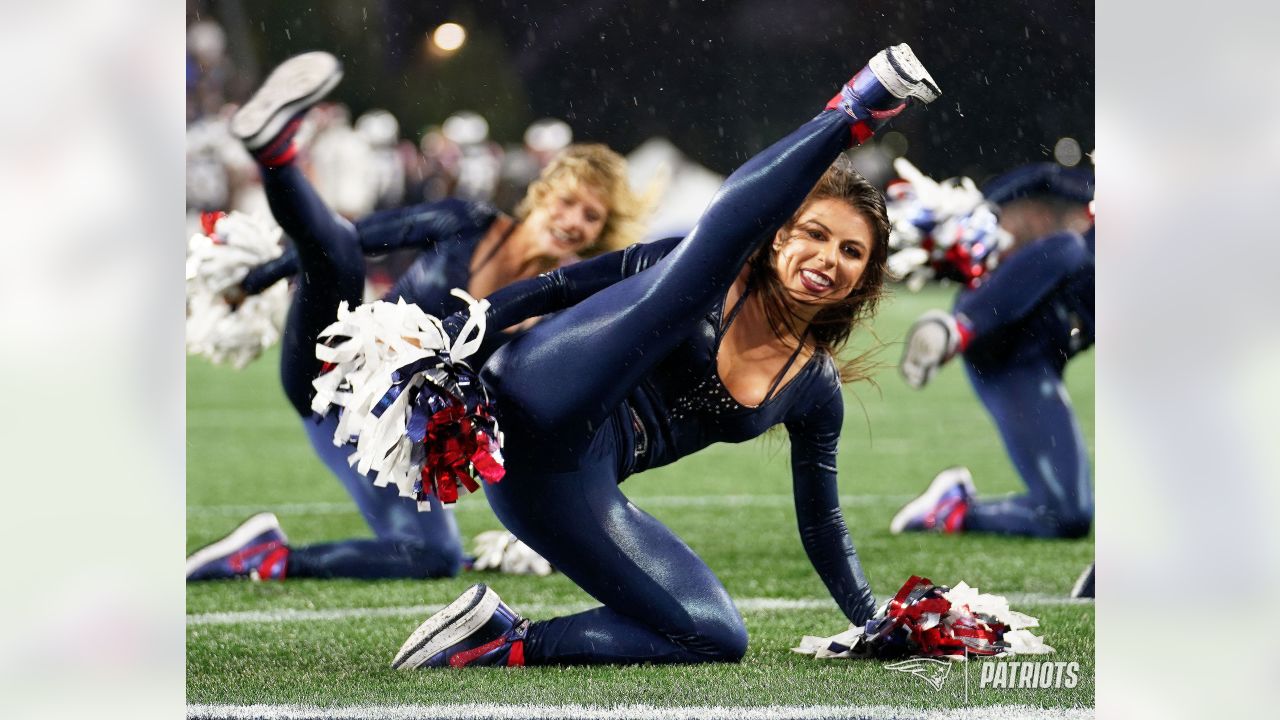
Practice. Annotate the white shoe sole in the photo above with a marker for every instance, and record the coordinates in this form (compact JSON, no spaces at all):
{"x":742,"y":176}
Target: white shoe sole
{"x":943,"y":482}
{"x":297,"y":84}
{"x":248,"y":530}
{"x":901,"y":73}
{"x":447,"y":627}
{"x":1080,"y":582}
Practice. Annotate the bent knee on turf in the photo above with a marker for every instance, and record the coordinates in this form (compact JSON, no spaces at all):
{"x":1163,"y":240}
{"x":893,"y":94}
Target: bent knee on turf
{"x":724,"y":641}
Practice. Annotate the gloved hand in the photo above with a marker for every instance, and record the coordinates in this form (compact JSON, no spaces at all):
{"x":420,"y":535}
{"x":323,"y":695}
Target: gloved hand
{"x":932,"y":340}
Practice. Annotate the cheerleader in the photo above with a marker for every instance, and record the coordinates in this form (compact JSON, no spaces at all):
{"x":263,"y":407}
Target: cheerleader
{"x":580,"y":203}
{"x":661,"y":350}
{"x":1016,"y":331}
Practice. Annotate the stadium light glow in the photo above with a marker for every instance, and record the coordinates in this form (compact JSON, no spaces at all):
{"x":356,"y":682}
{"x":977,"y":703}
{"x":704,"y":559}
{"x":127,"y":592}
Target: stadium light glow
{"x":1067,"y":152}
{"x":449,"y":37}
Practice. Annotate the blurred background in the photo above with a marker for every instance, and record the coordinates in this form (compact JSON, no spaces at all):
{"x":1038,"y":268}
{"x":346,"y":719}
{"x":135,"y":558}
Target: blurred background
{"x":1187,"y":393}
{"x":446,"y":92}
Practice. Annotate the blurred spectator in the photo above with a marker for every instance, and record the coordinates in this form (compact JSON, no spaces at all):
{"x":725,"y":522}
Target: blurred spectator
{"x":381,"y":131}
{"x":441,"y":157}
{"x":521,"y":165}
{"x":683,"y":187}
{"x":342,"y":162}
{"x":208,"y":69}
{"x":481,"y":158}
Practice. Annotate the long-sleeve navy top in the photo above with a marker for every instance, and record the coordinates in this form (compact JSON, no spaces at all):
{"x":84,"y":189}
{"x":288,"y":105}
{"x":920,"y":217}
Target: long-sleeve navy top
{"x":1040,"y":299}
{"x":683,"y":407}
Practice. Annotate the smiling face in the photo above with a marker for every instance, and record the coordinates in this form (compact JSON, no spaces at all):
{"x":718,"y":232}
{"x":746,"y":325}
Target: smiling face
{"x":821,"y":255}
{"x":568,"y":220}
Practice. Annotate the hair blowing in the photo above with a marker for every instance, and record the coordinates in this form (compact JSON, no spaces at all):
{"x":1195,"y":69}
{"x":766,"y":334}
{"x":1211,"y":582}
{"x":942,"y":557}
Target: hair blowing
{"x":831,"y":328}
{"x":594,"y":166}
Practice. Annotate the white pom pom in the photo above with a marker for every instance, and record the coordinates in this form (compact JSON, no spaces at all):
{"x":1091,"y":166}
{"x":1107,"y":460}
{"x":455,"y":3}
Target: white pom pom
{"x":216,"y":265}
{"x":1021,"y":640}
{"x":946,"y":199}
{"x":380,"y":338}
{"x":826,"y":648}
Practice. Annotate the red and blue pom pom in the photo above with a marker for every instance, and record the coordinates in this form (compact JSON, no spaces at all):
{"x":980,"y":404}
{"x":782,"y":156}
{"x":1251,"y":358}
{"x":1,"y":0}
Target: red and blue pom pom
{"x":416,"y":412}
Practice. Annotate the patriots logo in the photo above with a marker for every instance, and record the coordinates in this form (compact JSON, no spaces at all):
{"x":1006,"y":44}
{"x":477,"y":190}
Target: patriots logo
{"x":932,"y":671}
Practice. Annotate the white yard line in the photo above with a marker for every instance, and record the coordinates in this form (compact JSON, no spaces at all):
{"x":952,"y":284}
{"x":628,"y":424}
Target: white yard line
{"x":745,"y":605}
{"x":654,"y":501}
{"x":638,"y":712}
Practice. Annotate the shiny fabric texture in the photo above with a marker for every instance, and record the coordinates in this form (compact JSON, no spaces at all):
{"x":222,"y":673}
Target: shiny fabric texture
{"x":638,"y":329}
{"x":1034,"y":314}
{"x":328,"y":256}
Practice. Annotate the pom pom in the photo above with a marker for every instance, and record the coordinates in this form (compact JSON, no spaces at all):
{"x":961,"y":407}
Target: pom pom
{"x":218,"y":327}
{"x":930,"y":620}
{"x":941,"y":229}
{"x":418,"y":416}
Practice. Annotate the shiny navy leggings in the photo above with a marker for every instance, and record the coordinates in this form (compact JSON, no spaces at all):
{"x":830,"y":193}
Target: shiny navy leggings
{"x":408,"y":543}
{"x":1030,"y":407}
{"x":560,"y":388}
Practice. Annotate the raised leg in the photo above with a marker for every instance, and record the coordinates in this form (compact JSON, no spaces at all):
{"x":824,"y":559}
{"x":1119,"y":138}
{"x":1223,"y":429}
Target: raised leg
{"x":331,"y":264}
{"x":332,"y":268}
{"x":607,"y":343}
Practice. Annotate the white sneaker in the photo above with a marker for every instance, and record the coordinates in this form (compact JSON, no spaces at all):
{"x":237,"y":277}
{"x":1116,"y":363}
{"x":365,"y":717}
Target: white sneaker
{"x":477,"y":629}
{"x":941,"y":507}
{"x":900,"y":72}
{"x":292,"y":88}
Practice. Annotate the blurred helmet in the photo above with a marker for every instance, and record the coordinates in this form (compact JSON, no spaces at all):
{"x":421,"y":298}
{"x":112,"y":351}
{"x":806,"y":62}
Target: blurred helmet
{"x":466,"y":128}
{"x":206,"y":41}
{"x":548,"y":135}
{"x":378,"y":127}
{"x":1041,"y":179}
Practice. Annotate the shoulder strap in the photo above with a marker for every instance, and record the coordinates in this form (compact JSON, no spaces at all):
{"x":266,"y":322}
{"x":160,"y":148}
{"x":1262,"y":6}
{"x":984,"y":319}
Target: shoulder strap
{"x":737,"y":306}
{"x":790,"y":361}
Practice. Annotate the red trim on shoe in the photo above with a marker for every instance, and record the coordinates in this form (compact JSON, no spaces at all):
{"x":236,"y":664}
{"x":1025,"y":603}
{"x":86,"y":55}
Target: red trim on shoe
{"x":236,"y":559}
{"x":890,"y":113}
{"x":861,"y":132}
{"x":955,"y":518}
{"x":281,"y":150}
{"x":464,"y":658}
{"x":516,"y":658}
{"x":834,"y":102}
{"x":284,"y":158}
{"x":272,"y":547}
{"x":275,"y":565}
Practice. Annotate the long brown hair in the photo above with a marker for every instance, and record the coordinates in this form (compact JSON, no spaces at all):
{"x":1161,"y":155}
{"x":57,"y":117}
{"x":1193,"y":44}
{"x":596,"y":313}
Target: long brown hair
{"x":830,"y":328}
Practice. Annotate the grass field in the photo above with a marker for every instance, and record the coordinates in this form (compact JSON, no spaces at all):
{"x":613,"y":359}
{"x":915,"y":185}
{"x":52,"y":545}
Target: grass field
{"x":290,"y":648}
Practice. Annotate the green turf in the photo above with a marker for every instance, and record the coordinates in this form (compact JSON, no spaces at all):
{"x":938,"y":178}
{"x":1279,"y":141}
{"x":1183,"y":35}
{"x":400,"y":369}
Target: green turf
{"x":246,"y":451}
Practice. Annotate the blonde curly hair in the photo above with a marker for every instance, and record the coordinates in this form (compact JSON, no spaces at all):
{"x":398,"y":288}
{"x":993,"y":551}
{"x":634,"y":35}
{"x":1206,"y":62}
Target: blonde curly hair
{"x":597,"y":167}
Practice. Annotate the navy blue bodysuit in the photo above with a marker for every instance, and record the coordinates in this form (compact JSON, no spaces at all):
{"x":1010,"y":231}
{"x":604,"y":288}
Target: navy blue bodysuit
{"x":624,"y":378}
{"x":328,"y":257}
{"x":1032,"y":316}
